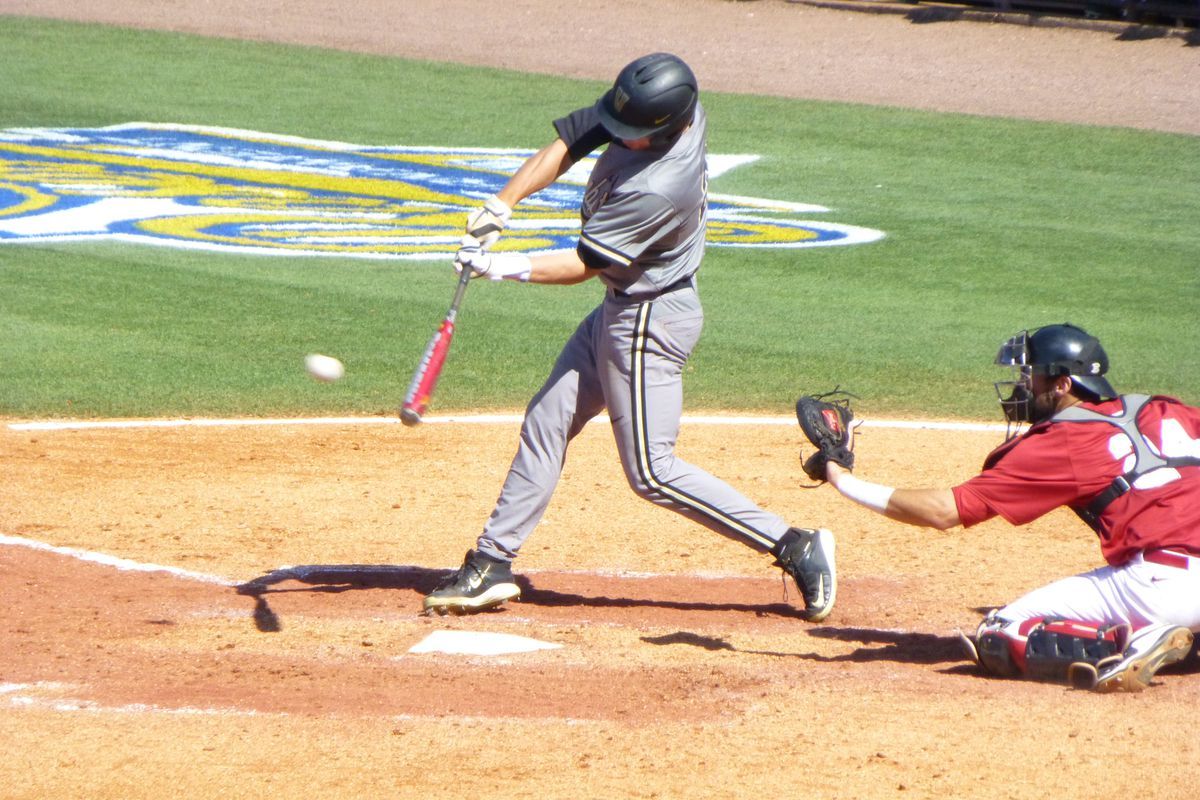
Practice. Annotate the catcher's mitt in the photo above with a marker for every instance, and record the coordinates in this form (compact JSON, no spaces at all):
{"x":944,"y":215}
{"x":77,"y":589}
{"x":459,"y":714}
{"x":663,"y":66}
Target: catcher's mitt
{"x":825,"y":420}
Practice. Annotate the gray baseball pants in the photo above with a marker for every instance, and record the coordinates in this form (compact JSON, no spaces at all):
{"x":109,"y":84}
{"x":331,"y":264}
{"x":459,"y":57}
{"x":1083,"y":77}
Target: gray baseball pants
{"x":626,"y":356}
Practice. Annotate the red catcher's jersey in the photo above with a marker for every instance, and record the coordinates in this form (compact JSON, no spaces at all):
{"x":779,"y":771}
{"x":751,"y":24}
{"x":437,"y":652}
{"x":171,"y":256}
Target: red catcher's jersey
{"x":1069,"y":463}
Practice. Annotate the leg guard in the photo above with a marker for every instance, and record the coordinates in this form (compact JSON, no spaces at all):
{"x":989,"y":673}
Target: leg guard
{"x":1056,"y":648}
{"x":1047,"y":648}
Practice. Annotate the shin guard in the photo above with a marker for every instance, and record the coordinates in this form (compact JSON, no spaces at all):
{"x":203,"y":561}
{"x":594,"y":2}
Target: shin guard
{"x":1054,"y":645}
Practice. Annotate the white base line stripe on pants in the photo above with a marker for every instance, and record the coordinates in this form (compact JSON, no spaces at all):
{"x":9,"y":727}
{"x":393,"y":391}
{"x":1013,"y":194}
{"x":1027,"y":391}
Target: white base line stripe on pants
{"x":641,"y":436}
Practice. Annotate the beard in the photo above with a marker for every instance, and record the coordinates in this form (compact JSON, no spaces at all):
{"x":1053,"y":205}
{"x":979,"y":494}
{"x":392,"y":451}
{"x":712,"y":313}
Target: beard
{"x":1025,"y":406}
{"x":1042,"y":406}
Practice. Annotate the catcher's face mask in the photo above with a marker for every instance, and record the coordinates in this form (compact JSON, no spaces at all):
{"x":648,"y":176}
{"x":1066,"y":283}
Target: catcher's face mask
{"x":1022,"y":403}
{"x":1016,"y":394}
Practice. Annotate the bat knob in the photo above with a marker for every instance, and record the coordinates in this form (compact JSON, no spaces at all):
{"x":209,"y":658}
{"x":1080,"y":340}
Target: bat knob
{"x":410,"y":417}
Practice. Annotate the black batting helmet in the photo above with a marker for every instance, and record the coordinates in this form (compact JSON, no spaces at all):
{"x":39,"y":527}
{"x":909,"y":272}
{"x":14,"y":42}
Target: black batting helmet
{"x":653,"y":96}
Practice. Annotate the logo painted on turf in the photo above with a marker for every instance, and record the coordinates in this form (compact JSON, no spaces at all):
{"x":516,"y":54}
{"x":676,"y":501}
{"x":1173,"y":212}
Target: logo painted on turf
{"x":242,"y":191}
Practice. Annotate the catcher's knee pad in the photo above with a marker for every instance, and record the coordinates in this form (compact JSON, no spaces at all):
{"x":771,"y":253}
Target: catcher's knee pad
{"x":997,"y":652}
{"x":1053,"y":646}
{"x":996,"y":655}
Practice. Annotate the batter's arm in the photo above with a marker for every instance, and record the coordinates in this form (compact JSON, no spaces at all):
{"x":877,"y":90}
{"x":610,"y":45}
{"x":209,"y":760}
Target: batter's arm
{"x":539,"y":171}
{"x":929,"y":508}
{"x":563,"y":268}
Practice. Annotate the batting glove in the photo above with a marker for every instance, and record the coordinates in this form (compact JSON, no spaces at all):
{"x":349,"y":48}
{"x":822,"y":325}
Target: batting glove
{"x":485,"y":224}
{"x":494,"y":266}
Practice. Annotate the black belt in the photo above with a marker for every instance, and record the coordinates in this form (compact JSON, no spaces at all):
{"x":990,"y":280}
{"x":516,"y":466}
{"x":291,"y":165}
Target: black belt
{"x":682,"y":283}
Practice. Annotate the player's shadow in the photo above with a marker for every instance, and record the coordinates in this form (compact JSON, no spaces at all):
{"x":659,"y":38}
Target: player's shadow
{"x":896,"y":646}
{"x":531,"y":595}
{"x":879,"y":645}
{"x":712,"y":643}
{"x":351,"y":577}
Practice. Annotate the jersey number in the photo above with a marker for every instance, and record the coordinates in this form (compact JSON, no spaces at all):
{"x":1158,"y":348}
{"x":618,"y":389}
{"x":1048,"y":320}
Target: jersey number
{"x":1176,"y":443}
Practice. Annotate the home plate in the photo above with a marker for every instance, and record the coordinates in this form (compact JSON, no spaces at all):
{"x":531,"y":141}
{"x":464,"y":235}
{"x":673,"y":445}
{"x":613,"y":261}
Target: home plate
{"x":473,"y":643}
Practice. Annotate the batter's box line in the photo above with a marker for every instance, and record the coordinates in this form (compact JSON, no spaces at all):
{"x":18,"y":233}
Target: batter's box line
{"x":116,"y":562}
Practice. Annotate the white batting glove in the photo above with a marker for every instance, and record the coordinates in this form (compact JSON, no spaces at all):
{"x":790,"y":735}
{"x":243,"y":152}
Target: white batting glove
{"x":494,"y":266}
{"x":485,"y":224}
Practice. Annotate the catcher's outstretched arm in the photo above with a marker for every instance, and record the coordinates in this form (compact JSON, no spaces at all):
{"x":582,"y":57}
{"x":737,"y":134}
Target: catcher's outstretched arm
{"x":929,"y":508}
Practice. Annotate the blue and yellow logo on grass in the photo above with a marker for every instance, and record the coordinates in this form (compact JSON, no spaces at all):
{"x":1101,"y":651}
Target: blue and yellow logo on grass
{"x":234,"y":190}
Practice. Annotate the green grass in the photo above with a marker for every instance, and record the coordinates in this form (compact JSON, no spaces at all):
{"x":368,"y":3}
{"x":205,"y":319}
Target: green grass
{"x":993,"y":225}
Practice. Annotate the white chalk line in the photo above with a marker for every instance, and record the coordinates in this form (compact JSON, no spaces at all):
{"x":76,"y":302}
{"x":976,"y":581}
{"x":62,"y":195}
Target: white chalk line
{"x":471,"y":419}
{"x":123,"y":564}
{"x":17,"y":699}
{"x":49,"y":696}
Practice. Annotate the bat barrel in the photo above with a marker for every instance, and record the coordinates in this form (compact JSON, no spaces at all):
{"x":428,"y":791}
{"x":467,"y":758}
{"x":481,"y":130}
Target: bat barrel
{"x":428,"y":371}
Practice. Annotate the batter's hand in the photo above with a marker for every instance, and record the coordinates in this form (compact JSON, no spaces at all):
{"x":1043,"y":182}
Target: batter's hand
{"x":485,"y":224}
{"x":472,"y":256}
{"x":494,"y":266}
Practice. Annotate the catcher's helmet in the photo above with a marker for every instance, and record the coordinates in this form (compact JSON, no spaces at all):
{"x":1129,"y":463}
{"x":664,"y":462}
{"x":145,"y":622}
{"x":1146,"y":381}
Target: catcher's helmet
{"x":1061,"y":350}
{"x":653,"y":96}
{"x":1052,"y":350}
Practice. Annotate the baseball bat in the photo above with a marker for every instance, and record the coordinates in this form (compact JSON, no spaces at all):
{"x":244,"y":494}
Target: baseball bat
{"x":425,"y":378}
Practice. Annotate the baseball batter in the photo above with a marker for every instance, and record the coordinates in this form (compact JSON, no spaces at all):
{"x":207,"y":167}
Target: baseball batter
{"x":643,"y":237}
{"x":1129,"y":467}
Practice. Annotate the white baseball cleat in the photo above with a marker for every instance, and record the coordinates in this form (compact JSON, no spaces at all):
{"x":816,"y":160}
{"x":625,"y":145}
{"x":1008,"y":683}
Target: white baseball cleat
{"x":1148,"y":651}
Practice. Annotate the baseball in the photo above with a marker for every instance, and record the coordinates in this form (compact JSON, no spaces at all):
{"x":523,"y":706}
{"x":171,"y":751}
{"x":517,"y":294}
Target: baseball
{"x":323,"y":368}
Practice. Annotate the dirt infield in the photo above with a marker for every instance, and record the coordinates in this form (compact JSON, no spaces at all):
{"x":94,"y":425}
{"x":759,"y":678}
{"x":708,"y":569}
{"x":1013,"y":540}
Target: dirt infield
{"x":683,"y":671}
{"x":272,"y":657}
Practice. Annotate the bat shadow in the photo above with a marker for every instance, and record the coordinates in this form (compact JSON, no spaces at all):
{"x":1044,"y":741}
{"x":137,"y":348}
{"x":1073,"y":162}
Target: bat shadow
{"x":344,"y":578}
{"x":332,"y":578}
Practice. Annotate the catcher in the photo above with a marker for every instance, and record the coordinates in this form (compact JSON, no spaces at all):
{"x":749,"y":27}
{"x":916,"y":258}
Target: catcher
{"x":1127,"y":465}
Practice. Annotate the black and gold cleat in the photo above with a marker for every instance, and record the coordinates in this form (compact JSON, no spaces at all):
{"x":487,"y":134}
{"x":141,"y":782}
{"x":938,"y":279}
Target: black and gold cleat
{"x":480,"y":583}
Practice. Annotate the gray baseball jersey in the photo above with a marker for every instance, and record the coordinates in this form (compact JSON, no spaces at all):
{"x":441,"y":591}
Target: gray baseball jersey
{"x":643,"y":212}
{"x":643,"y":223}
